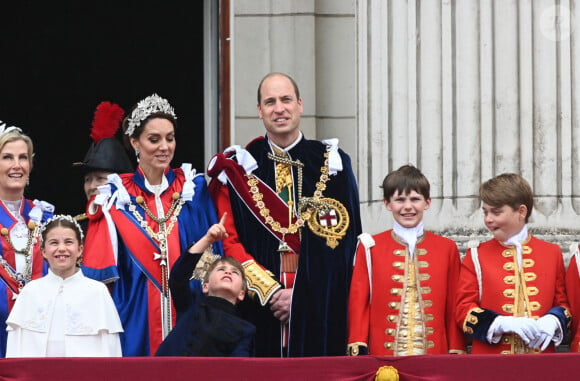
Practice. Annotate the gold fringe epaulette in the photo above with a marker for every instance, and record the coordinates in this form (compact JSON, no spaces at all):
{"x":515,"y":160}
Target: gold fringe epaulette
{"x":260,"y":282}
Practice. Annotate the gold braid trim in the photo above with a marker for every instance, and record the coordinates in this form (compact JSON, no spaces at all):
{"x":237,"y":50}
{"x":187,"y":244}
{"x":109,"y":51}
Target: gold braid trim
{"x":352,"y":349}
{"x":261,"y":282}
{"x":471,"y":318}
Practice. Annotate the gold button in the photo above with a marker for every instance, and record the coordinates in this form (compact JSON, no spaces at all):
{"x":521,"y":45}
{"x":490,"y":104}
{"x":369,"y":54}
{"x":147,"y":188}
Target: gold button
{"x":508,"y":266}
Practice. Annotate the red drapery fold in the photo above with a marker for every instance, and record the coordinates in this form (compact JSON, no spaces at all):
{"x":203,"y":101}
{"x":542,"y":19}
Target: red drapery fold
{"x":363,"y":368}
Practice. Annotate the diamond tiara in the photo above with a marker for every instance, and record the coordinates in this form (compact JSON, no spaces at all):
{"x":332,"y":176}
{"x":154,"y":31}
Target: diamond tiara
{"x":152,"y":104}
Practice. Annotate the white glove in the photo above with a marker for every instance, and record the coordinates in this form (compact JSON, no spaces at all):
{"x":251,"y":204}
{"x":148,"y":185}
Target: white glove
{"x":526,"y":328}
{"x":548,"y":325}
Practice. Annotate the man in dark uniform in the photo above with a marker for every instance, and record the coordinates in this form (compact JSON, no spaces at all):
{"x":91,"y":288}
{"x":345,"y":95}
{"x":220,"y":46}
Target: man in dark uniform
{"x":296,"y":219}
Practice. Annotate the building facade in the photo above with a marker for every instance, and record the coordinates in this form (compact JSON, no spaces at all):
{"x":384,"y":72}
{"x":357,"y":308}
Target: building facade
{"x":464,"y":90}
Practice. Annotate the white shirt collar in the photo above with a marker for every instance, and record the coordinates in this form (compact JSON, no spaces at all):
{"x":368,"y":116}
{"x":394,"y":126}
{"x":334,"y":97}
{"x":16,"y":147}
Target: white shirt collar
{"x":274,"y":145}
{"x":77,"y":274}
{"x":516,"y":241}
{"x":157,"y":189}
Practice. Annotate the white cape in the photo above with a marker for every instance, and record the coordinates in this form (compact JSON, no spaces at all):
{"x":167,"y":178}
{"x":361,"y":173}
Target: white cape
{"x":91,"y":324}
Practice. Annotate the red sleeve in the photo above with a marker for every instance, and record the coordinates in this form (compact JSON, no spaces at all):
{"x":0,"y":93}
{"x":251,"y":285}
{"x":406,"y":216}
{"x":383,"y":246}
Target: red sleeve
{"x":262,"y":282}
{"x":467,"y":291}
{"x":99,"y":253}
{"x":573,"y":291}
{"x":358,"y":301}
{"x":232,"y":245}
{"x":456,"y":338}
{"x":560,"y":297}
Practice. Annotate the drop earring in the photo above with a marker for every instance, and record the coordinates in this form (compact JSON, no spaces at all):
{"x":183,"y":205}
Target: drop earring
{"x":137,"y":153}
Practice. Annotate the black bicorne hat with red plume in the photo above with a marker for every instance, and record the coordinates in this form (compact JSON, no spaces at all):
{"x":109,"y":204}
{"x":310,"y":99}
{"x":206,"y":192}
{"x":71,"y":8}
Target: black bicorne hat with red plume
{"x":106,"y":153}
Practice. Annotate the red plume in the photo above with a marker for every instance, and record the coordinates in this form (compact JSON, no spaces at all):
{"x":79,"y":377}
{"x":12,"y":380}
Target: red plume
{"x":106,"y":121}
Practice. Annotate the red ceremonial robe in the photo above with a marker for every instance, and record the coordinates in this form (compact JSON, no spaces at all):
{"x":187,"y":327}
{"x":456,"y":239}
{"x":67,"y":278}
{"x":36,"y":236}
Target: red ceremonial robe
{"x":9,"y":285}
{"x":138,"y":280}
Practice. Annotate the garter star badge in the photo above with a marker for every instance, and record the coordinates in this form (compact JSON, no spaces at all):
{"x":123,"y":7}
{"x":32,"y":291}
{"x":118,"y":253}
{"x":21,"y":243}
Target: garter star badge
{"x":330,"y":223}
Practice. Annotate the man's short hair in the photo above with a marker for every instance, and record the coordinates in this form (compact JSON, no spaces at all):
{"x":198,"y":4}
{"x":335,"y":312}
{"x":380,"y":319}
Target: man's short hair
{"x":273,"y":74}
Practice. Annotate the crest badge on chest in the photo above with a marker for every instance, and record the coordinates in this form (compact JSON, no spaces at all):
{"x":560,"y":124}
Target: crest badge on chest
{"x":330,"y":222}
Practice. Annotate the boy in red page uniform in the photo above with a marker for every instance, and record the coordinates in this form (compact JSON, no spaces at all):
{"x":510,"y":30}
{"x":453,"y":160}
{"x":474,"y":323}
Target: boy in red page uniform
{"x":511,"y":295}
{"x":402,"y":292}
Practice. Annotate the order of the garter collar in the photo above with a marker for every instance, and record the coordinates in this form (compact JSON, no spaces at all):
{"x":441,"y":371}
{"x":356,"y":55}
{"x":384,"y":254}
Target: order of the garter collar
{"x":150,"y":105}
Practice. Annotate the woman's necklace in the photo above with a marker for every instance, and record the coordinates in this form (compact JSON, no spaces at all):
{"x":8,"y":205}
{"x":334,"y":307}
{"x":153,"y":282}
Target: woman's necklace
{"x":164,"y":231}
{"x":161,"y":238}
{"x":26,"y":251}
{"x":29,"y":242}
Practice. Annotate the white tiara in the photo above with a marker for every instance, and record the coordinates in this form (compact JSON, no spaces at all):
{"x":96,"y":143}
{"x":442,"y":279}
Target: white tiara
{"x":5,"y":130}
{"x":60,"y":217}
{"x":152,"y":104}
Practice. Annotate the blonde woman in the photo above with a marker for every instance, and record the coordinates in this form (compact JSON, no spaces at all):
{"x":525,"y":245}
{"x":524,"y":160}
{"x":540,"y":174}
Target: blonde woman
{"x":20,"y":257}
